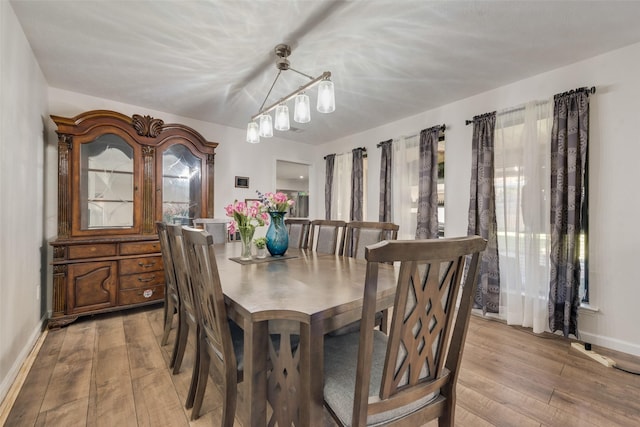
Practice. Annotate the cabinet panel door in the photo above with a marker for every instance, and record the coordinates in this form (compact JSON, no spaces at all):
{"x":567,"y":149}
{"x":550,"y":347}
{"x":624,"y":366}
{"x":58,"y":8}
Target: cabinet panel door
{"x":91,"y":286}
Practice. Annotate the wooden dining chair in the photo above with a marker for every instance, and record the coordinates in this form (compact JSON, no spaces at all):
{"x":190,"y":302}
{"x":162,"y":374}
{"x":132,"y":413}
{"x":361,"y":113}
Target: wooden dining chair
{"x":408,"y":377}
{"x":324,"y":235}
{"x":298,"y":232}
{"x":359,"y":234}
{"x":188,"y":310}
{"x":221,"y":340}
{"x":171,"y":298}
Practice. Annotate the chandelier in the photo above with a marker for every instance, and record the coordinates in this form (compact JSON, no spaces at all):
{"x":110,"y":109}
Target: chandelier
{"x":261,"y":124}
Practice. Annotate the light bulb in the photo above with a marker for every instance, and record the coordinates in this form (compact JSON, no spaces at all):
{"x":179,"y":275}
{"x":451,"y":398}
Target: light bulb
{"x":252,"y":133}
{"x":326,"y":97}
{"x":266,"y":129}
{"x":282,"y":117}
{"x":302,"y":111}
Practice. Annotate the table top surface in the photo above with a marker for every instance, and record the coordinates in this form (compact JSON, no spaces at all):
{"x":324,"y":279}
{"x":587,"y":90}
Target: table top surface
{"x":307,"y":288}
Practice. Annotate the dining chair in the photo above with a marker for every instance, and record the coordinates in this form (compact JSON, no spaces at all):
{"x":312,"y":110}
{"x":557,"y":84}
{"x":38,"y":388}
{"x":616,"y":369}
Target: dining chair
{"x":171,"y":298}
{"x":359,"y":234}
{"x":214,"y":226}
{"x":298,"y":232}
{"x":408,"y":377}
{"x":324,"y":235}
{"x":221,"y":340}
{"x":188,"y":309}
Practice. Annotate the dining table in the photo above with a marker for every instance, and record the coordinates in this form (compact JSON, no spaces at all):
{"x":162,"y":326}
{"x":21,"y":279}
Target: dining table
{"x":285,"y":306}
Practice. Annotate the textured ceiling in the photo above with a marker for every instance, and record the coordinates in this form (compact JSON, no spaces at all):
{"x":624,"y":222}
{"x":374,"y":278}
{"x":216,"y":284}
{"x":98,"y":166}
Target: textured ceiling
{"x":214,"y":61}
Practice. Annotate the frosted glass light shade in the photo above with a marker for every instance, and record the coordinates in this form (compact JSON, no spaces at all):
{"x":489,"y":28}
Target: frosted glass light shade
{"x":282,"y":117}
{"x":326,"y":97}
{"x":266,"y":128}
{"x":302,"y":111}
{"x":252,"y":133}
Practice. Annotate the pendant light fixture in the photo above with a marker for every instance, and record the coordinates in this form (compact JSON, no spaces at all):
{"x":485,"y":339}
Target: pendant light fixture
{"x":326,"y":101}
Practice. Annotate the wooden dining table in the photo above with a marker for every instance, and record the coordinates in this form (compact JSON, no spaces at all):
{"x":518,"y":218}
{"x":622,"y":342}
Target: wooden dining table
{"x":285,"y":307}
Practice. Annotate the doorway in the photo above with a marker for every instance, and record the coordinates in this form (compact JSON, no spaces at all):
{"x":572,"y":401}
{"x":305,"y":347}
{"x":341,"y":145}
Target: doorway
{"x":293,"y":179}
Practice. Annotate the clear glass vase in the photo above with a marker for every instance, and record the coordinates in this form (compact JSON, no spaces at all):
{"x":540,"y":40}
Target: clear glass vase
{"x":246,"y":236}
{"x":277,"y":234}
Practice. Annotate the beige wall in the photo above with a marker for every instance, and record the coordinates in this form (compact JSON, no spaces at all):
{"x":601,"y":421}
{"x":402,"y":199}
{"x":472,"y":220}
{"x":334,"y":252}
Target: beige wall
{"x":23,"y":109}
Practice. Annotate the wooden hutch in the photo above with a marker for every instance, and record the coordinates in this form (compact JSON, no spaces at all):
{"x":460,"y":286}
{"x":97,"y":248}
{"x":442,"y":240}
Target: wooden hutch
{"x":117,"y":176}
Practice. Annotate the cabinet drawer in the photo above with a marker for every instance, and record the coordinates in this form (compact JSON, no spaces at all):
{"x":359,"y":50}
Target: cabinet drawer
{"x":139,"y":248}
{"x":140,"y":265}
{"x":92,"y":251}
{"x":140,"y":295}
{"x":142,"y":280}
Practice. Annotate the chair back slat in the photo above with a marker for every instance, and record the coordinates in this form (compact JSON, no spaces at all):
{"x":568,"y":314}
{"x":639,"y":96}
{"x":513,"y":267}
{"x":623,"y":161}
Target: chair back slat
{"x":325,"y":234}
{"x":298,"y":232}
{"x":183,"y":279}
{"x":167,"y":261}
{"x":360,"y":234}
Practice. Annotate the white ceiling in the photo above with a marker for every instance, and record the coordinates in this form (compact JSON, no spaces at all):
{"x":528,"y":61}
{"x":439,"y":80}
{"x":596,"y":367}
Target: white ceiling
{"x":213,"y":60}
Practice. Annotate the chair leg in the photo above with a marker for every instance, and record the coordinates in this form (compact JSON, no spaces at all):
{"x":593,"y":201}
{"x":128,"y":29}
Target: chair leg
{"x":194,"y":374}
{"x":203,"y":375}
{"x":169,"y":311}
{"x":181,"y":344}
{"x":230,"y":396}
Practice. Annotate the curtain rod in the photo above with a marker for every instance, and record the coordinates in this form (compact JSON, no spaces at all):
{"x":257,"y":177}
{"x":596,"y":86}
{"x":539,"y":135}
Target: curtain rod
{"x":361,"y":148}
{"x":443,"y":127}
{"x":589,"y":90}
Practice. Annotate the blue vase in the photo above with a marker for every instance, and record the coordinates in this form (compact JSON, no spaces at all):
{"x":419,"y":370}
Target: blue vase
{"x":277,"y":234}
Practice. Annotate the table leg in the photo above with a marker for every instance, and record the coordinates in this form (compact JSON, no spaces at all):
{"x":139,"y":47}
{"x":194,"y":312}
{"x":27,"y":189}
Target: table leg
{"x":312,"y":374}
{"x":255,"y":372}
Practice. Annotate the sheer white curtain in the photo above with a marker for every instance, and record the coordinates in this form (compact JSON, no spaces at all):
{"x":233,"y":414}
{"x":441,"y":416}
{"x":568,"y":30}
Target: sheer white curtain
{"x":404,"y":191}
{"x":341,"y":187}
{"x":522,"y":184}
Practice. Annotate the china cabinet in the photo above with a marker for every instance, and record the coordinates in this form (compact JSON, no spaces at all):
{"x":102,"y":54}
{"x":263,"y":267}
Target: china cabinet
{"x":117,"y":176}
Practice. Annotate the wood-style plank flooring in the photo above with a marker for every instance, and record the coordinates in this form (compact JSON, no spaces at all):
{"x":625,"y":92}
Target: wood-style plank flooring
{"x":110,"y":370}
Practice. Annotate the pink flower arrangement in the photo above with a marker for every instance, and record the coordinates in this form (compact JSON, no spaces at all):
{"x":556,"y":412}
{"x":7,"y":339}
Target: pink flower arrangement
{"x":278,"y":202}
{"x":246,"y":215}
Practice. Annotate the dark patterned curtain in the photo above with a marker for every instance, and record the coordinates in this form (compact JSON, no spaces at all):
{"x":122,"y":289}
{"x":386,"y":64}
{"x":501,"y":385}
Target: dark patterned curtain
{"x":357,"y":176}
{"x":328,"y":182}
{"x":427,"y":219}
{"x":482,"y":211}
{"x":384,"y":214}
{"x":569,"y":139}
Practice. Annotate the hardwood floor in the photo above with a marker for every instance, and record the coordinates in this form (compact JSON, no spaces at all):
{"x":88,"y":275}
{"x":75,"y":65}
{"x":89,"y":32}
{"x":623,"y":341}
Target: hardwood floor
{"x":110,"y":370}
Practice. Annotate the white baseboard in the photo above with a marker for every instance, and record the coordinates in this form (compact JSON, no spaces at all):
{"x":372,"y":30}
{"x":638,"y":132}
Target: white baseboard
{"x":12,"y":383}
{"x":610,"y":343}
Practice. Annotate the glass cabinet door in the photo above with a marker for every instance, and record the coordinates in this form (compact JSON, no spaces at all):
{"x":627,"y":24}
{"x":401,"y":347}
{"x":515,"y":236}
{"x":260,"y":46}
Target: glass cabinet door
{"x":106,"y":183}
{"x":181,"y":185}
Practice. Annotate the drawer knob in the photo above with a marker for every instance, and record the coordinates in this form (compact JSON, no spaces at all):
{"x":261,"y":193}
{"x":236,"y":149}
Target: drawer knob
{"x":144,"y":280}
{"x":143,"y":265}
{"x":147,"y":293}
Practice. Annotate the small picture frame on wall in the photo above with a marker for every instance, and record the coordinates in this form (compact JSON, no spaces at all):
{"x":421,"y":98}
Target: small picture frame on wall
{"x":242,"y":182}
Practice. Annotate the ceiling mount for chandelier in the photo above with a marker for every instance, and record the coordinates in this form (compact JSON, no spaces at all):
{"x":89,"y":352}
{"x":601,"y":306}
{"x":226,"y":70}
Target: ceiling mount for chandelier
{"x":261,"y":123}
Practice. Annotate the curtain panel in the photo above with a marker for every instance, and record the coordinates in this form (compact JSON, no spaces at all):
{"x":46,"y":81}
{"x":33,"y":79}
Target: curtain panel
{"x":482,"y":211}
{"x":341,"y":187}
{"x":386,"y":173}
{"x":328,"y":184}
{"x":522,"y":184}
{"x":569,"y":142}
{"x":357,"y":177}
{"x":405,"y":185}
{"x":427,"y":219}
